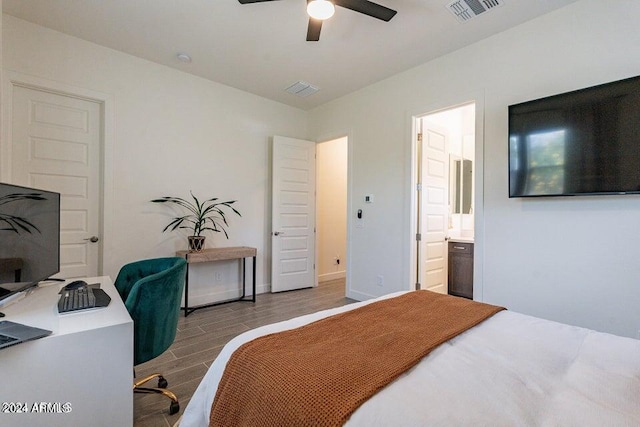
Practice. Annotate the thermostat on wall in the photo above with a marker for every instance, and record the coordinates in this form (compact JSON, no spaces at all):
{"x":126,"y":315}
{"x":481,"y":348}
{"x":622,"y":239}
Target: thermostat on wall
{"x":368,"y":198}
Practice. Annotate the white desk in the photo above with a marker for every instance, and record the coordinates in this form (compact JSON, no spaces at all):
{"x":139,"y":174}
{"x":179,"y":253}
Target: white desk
{"x":86,"y":362}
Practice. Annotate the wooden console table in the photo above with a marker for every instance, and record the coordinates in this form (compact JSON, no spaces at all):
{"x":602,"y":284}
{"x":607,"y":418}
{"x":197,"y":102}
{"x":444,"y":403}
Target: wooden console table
{"x":219,"y":254}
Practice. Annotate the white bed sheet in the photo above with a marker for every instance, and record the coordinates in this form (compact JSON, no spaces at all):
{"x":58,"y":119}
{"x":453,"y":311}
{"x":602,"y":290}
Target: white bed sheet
{"x":511,"y":370}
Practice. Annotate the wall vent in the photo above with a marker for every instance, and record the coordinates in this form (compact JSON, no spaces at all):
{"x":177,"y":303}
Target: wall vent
{"x":302,"y":89}
{"x":465,"y":10}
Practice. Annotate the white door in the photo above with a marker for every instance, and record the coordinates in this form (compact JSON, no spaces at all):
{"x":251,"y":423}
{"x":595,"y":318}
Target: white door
{"x":56,"y":146}
{"x":293,"y":214}
{"x":433,"y":208}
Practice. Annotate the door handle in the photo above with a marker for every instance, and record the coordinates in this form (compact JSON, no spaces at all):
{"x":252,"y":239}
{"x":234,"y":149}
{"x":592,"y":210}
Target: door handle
{"x":277,"y":233}
{"x":92,"y":239}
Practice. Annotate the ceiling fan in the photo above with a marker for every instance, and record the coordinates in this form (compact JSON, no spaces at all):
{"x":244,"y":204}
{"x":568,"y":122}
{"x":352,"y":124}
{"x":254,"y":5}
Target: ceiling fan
{"x":319,"y":10}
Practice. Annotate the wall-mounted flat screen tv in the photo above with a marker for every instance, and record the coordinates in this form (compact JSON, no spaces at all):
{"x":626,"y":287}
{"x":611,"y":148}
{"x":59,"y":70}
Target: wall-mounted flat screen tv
{"x":29,"y":238}
{"x":583,"y":142}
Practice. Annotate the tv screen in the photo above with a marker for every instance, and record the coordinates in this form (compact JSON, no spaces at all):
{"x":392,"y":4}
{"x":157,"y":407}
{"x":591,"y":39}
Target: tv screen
{"x":29,"y":237}
{"x":583,"y":142}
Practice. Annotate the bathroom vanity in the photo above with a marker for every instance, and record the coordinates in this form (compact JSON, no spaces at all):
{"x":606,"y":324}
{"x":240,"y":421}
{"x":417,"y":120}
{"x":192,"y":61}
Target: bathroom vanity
{"x":460,"y":277}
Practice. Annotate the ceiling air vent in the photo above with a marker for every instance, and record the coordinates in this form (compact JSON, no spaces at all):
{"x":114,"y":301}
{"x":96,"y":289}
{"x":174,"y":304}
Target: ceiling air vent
{"x":302,"y":89}
{"x":464,"y":10}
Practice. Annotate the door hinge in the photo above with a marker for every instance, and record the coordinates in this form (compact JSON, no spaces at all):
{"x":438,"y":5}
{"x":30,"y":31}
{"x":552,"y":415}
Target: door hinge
{"x":419,"y":136}
{"x":419,"y":186}
{"x":418,"y":237}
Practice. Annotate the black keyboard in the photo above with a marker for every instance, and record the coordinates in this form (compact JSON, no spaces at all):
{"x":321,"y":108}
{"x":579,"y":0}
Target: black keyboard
{"x":76,"y":299}
{"x":6,"y":339}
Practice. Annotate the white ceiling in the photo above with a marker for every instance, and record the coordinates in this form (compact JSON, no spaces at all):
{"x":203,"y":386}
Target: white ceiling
{"x":261,"y":47}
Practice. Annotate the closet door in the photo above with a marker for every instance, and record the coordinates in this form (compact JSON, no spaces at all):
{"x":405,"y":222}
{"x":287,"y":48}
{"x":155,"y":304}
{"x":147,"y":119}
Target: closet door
{"x":293,"y":214}
{"x":56,"y":142}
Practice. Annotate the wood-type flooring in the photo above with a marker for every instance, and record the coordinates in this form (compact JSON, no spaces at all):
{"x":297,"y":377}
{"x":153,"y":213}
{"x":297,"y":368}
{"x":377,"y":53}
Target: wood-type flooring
{"x":204,"y":332}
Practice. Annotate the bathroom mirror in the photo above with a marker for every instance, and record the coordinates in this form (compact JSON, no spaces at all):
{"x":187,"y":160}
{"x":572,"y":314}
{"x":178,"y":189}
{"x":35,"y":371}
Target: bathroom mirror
{"x":461,"y":187}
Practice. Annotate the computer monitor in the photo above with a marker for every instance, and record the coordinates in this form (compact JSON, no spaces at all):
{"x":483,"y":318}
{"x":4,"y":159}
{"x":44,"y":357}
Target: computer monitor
{"x":29,"y":238}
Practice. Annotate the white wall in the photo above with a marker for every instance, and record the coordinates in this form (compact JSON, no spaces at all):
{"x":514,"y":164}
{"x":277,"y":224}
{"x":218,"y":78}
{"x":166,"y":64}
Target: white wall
{"x":574,"y":260}
{"x":331,"y":202}
{"x":171,"y":133}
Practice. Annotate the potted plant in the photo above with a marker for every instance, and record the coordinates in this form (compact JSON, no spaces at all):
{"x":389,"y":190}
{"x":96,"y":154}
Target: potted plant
{"x":200,"y":216}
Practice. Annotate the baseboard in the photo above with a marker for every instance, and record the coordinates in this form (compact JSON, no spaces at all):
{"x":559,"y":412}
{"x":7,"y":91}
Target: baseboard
{"x":332,"y":276}
{"x":359,"y":296}
{"x":223,"y":295}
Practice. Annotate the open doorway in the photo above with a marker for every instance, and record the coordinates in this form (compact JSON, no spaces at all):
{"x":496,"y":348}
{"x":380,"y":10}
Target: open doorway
{"x":445,"y":187}
{"x":331,"y":210}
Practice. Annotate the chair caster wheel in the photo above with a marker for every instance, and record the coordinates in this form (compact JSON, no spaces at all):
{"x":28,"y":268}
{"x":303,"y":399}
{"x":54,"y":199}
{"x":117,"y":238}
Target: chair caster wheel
{"x":174,"y":408}
{"x":162,"y":383}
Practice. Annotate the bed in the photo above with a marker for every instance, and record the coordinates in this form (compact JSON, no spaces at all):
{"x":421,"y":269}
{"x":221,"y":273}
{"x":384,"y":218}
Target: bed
{"x":510,"y":369}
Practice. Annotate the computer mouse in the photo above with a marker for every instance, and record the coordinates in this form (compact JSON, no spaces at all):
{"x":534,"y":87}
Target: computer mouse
{"x":75,"y":285}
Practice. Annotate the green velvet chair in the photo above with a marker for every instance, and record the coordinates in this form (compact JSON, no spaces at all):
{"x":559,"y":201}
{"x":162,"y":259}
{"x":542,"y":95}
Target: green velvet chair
{"x":152,"y":292}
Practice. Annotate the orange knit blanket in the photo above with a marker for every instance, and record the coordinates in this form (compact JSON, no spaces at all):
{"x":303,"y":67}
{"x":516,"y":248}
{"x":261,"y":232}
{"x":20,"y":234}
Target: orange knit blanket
{"x":319,"y":374}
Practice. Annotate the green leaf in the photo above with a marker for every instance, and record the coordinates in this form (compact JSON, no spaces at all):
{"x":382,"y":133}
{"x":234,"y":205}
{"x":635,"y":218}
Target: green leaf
{"x":207,"y":215}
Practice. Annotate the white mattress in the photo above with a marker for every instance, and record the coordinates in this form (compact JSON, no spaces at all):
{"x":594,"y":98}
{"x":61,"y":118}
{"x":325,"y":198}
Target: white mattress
{"x":511,"y":370}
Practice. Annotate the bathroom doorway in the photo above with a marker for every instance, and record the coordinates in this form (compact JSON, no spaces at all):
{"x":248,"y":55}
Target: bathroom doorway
{"x":444,"y":191}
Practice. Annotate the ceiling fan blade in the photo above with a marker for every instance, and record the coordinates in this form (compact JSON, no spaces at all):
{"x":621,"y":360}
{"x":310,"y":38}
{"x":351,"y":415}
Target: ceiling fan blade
{"x":253,"y":1}
{"x":368,"y":8}
{"x":313,"y":30}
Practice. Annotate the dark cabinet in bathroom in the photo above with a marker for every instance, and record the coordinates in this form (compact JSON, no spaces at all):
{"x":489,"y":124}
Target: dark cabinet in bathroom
{"x":460,"y":275}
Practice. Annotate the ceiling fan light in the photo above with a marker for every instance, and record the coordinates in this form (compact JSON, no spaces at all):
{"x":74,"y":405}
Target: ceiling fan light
{"x":320,"y":9}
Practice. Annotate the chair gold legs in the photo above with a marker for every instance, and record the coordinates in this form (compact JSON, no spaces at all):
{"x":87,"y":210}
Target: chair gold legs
{"x":161,"y":389}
